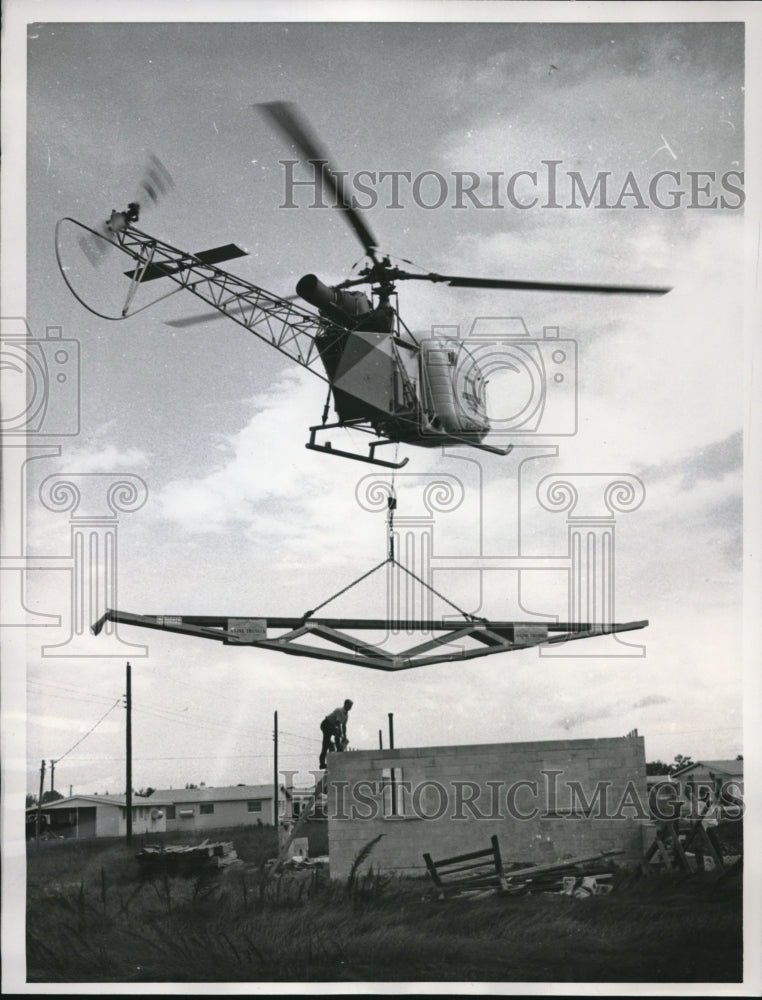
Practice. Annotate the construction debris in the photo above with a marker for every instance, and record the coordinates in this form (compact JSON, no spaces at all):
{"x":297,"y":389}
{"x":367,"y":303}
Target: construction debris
{"x":566,"y":875}
{"x":296,"y":863}
{"x":185,"y":859}
{"x":481,"y":873}
{"x":476,"y":871}
{"x":484,"y":872}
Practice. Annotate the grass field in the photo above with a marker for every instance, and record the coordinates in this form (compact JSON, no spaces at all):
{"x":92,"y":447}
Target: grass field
{"x":92,"y":917}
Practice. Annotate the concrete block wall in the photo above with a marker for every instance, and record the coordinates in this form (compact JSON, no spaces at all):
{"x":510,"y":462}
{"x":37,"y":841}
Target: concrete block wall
{"x":453,"y":799}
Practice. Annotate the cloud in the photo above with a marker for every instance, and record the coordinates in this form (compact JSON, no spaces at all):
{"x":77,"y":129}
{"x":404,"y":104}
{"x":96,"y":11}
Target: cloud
{"x":100,"y":454}
{"x":651,"y":699}
{"x":574,"y":721}
{"x":713,"y":461}
{"x":106,"y":459}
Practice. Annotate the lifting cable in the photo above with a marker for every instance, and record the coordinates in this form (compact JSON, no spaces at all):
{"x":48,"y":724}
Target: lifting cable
{"x":391,"y":502}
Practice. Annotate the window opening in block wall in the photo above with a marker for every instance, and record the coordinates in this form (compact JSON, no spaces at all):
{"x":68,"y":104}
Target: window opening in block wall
{"x":391,"y":791}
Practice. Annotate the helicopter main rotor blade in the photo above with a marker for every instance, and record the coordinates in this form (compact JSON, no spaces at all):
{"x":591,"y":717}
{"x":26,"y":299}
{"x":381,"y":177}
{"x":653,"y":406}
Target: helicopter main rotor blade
{"x":287,"y":118}
{"x":536,"y":286}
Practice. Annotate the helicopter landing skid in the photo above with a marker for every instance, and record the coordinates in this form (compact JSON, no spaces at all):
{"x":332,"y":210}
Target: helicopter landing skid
{"x":493,"y":450}
{"x":371,"y":459}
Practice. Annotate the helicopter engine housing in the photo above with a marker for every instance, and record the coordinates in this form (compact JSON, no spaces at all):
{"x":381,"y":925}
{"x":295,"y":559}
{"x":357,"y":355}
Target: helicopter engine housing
{"x":339,"y":305}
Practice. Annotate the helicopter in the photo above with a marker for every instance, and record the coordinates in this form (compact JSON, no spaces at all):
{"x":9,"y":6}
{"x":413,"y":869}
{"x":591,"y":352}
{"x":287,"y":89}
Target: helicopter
{"x":382,"y":380}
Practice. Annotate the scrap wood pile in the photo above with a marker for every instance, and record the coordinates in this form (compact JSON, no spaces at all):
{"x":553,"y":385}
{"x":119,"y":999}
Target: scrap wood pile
{"x":296,"y":863}
{"x":586,"y":875}
{"x":185,"y":859}
{"x":483,"y":872}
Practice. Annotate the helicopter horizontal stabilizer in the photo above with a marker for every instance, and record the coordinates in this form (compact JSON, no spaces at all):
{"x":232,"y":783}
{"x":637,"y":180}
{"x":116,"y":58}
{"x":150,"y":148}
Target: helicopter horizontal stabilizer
{"x":214,"y":256}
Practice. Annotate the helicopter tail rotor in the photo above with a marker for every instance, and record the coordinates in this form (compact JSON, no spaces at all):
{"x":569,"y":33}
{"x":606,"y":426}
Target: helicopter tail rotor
{"x":155,"y":182}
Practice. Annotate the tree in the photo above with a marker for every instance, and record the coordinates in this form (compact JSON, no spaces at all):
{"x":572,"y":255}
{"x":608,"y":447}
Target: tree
{"x":680,"y":763}
{"x":657,"y":767}
{"x":31,"y":800}
{"x":51,"y":796}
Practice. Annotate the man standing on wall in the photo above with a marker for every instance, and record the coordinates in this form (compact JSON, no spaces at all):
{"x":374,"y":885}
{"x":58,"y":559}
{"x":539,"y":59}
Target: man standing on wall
{"x":334,"y":730}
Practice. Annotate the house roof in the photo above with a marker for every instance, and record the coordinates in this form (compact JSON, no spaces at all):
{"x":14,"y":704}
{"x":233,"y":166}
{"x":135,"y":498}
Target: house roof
{"x":74,"y":800}
{"x":731,"y":767}
{"x":227,"y":793}
{"x":170,"y":796}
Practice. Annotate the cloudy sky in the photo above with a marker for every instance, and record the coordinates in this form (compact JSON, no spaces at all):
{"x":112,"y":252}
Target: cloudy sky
{"x":240,"y":519}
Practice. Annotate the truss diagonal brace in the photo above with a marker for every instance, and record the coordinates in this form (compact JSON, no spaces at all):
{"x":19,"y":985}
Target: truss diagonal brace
{"x":340,"y":646}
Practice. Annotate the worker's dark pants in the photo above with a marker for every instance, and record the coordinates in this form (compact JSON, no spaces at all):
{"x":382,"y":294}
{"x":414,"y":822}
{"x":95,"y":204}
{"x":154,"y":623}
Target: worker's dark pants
{"x":329,"y":733}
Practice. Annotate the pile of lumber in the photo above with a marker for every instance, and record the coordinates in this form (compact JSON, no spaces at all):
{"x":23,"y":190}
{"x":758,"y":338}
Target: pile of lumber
{"x":580,"y":876}
{"x":185,"y":859}
{"x":484,"y":872}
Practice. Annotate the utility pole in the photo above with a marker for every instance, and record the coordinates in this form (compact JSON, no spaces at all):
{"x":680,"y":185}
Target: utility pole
{"x":39,"y":804}
{"x":128,"y":732}
{"x":391,"y":730}
{"x":52,"y":772}
{"x":276,"y":817}
{"x":380,"y":740}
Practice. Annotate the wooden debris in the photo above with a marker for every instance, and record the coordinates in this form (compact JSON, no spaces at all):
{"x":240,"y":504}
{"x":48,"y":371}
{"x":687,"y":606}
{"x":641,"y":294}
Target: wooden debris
{"x":185,"y":859}
{"x":553,"y":876}
{"x":463,"y":873}
{"x":482,"y":872}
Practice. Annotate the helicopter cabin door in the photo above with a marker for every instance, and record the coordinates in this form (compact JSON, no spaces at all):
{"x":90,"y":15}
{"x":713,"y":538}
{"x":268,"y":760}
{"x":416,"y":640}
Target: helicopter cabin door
{"x":363,"y":384}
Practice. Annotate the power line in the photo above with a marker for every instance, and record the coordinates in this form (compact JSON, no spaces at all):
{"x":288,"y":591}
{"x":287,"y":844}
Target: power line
{"x":166,"y":714}
{"x":92,"y":729}
{"x":197,"y":722}
{"x":233,"y":756}
{"x":93,"y":699}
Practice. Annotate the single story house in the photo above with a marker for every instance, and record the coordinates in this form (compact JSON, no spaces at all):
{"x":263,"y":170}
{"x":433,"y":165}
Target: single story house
{"x":715,"y":783}
{"x":165,"y":811}
{"x":82,"y":816}
{"x":543,"y":800}
{"x":231,"y":805}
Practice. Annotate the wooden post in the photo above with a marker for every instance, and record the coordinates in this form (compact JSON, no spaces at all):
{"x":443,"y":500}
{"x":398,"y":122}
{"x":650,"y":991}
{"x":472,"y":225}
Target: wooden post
{"x":380,"y":740}
{"x":39,"y":804}
{"x":276,"y":818}
{"x":128,"y":732}
{"x":52,"y":773}
{"x":393,"y":774}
